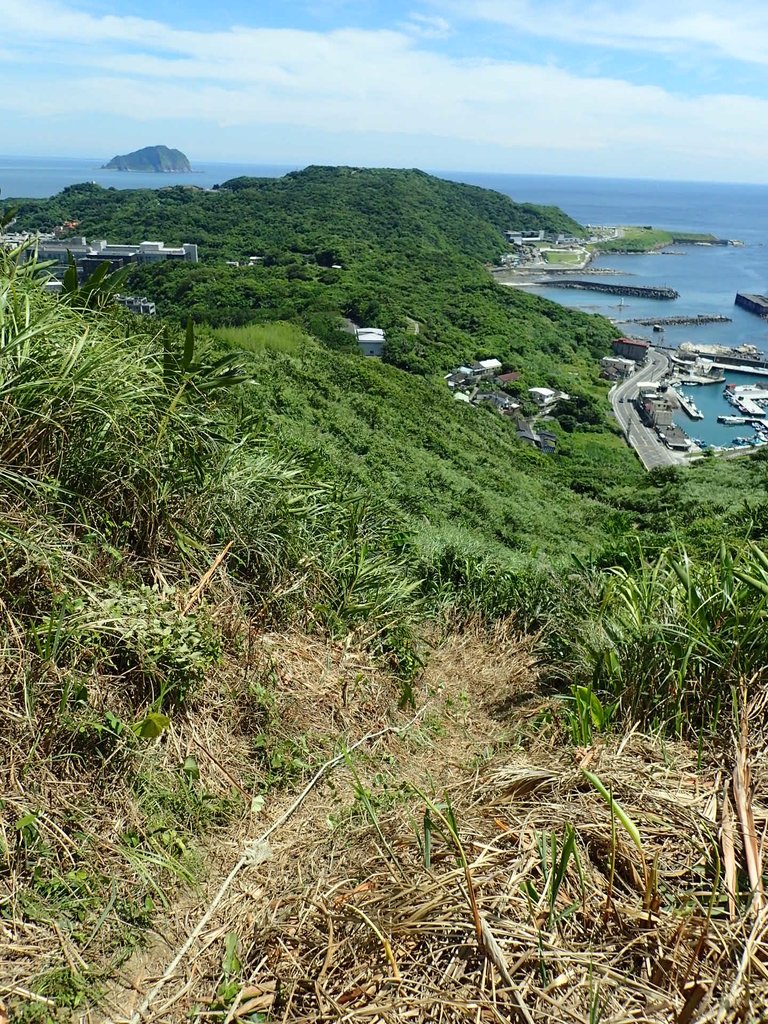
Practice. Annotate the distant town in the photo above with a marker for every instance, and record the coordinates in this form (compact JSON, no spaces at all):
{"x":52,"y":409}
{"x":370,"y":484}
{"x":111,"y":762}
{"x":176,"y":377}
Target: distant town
{"x":56,"y":251}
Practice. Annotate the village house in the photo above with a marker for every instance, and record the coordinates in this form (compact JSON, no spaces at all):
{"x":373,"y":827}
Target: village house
{"x":632,"y":348}
{"x":502,"y":403}
{"x":546,"y":397}
{"x":657,"y":410}
{"x":616,"y":367}
{"x":542,"y":439}
{"x":465,"y":376}
{"x":371,"y":341}
{"x":508,"y":378}
{"x":486,"y":368}
{"x":458,"y":378}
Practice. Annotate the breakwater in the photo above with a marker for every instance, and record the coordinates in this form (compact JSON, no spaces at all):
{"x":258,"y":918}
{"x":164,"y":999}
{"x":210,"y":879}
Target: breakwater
{"x":757,"y":304}
{"x":636,"y":291}
{"x":678,"y":321}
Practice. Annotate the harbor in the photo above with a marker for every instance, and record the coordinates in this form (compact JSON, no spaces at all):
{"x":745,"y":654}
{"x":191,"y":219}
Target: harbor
{"x":707,"y":279}
{"x":727,"y":411}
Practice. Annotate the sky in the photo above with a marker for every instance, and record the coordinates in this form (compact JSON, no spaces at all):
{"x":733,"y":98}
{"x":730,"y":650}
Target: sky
{"x":666,"y":89}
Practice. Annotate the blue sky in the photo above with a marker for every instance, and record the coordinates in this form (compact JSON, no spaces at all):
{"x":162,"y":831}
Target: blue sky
{"x":640,"y":88}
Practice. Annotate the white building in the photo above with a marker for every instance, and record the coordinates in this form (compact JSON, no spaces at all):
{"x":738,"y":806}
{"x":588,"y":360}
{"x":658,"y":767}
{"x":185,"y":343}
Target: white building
{"x":624,"y":367}
{"x":542,"y":396}
{"x":371,"y":341}
{"x":89,"y":256}
{"x":546,"y":396}
{"x":136,"y":304}
{"x":484,"y":368}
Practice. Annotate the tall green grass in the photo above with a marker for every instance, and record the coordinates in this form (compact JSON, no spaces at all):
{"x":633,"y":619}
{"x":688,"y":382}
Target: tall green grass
{"x":280,"y":336}
{"x":678,"y":641}
{"x":120,"y":448}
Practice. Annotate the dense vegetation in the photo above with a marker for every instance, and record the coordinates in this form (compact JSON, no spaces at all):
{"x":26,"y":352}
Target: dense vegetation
{"x":408,"y":247}
{"x":309,"y":211}
{"x":182,"y":505}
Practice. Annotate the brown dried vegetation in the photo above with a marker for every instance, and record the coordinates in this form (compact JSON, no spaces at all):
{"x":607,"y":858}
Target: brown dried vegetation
{"x":351,"y":912}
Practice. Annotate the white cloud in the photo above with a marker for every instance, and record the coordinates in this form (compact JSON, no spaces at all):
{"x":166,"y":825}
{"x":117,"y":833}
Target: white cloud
{"x":428,"y":26}
{"x":718,"y":27}
{"x":366,"y":82}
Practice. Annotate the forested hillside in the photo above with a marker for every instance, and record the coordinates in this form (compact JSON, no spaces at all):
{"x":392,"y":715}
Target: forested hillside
{"x":322,"y":696}
{"x":312,"y":211}
{"x":409,"y":247}
{"x":404,"y":250}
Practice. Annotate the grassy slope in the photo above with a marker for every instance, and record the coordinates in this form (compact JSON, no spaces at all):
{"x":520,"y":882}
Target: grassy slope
{"x":429,"y":457}
{"x":411,"y":246}
{"x":381,"y":880}
{"x":647,"y":239}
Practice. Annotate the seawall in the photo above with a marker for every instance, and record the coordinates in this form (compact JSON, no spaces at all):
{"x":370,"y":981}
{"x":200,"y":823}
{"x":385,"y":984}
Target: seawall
{"x":637,"y":291}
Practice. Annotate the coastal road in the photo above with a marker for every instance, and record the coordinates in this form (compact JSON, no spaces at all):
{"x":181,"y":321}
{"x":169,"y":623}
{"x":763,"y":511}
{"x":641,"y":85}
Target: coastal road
{"x":651,"y":451}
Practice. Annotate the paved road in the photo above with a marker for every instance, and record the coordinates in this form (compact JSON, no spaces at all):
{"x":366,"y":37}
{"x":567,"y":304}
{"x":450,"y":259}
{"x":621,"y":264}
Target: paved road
{"x":651,"y":451}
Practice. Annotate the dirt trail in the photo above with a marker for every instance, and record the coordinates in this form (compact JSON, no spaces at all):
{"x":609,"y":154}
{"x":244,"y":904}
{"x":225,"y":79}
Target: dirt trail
{"x":471,"y":869}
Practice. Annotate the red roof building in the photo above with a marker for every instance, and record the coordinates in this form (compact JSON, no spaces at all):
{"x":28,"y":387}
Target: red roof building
{"x":631,"y":348}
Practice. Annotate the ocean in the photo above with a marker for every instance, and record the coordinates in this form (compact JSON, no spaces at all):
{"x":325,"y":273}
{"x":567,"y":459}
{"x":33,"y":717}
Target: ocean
{"x":39,"y":177}
{"x":707,"y":278}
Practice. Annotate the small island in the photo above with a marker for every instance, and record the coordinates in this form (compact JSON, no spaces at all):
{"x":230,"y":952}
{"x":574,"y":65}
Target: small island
{"x":151,"y":159}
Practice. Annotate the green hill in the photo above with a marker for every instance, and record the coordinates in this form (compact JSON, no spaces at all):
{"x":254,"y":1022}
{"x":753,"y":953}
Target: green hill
{"x":383,"y":246}
{"x":405,"y":251}
{"x":157,"y":159}
{"x":311,"y":210}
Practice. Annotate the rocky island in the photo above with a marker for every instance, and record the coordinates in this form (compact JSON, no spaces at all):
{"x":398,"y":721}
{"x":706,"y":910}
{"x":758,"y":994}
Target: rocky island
{"x":157,"y":159}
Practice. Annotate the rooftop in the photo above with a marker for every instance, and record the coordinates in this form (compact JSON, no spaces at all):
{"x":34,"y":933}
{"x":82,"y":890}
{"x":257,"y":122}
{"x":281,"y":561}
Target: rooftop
{"x":637,"y":342}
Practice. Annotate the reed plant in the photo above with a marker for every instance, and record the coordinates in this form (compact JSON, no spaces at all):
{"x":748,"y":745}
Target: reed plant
{"x":674,"y":641}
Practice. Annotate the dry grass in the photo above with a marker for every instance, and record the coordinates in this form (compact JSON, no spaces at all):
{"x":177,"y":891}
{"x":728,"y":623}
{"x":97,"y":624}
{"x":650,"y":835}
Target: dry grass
{"x":119,"y":835}
{"x":346,"y":921}
{"x":346,"y":917}
{"x":349,"y":924}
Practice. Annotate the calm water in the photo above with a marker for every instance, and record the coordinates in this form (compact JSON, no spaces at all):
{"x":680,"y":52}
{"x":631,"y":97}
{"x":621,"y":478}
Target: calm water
{"x":37,"y":177}
{"x":706,"y":277}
